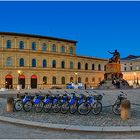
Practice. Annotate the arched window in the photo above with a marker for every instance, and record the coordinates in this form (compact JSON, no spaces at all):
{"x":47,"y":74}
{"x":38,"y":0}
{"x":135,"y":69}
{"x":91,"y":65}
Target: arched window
{"x":9,"y":61}
{"x":93,"y":67}
{"x":63,"y":80}
{"x":53,"y":48}
{"x":86,"y":66}
{"x":44,"y":47}
{"x":99,"y":67}
{"x":44,"y":80}
{"x":86,"y":80}
{"x":33,"y":46}
{"x":79,"y":65}
{"x":8,"y":44}
{"x":71,"y":79}
{"x":104,"y":67}
{"x":63,"y":64}
{"x":71,"y":50}
{"x":54,"y":64}
{"x":71,"y":65}
{"x":62,"y":49}
{"x":79,"y":79}
{"x":21,"y":62}
{"x":33,"y":62}
{"x":21,"y":45}
{"x":54,"y":80}
{"x":44,"y":63}
{"x":93,"y":79}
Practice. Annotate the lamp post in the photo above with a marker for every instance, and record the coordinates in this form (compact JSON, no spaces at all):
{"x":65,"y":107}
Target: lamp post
{"x":19,"y":73}
{"x":134,"y":77}
{"x":134,"y":84}
{"x":76,"y":77}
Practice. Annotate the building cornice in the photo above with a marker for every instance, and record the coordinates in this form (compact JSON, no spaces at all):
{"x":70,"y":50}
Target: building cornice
{"x":36,"y":36}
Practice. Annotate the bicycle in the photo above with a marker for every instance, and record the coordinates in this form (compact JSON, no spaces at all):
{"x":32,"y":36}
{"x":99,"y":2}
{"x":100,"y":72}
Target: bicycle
{"x":92,"y":103}
{"x":18,"y":103}
{"x":116,"y":107}
{"x":35,"y":101}
{"x":47,"y":103}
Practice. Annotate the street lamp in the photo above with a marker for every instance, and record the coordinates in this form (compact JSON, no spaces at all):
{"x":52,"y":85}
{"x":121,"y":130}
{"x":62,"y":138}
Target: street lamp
{"x":76,"y":77}
{"x":134,"y":77}
{"x":19,"y":73}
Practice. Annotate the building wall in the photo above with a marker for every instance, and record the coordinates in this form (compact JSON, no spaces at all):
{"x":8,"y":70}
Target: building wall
{"x":131,"y":70}
{"x":94,"y":76}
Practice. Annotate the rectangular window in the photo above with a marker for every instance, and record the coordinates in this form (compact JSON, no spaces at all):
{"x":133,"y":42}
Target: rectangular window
{"x":131,"y":68}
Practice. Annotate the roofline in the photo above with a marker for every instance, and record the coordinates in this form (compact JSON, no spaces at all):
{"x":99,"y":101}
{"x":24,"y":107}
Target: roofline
{"x":37,"y":36}
{"x":90,"y":57}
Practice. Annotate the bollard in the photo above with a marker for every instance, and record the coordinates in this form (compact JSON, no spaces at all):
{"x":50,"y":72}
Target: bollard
{"x":125,"y":109}
{"x":9,"y":104}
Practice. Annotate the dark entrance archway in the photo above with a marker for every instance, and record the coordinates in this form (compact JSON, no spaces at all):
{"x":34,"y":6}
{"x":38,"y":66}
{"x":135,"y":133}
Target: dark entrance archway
{"x":33,"y":81}
{"x":8,"y":82}
{"x":22,"y":81}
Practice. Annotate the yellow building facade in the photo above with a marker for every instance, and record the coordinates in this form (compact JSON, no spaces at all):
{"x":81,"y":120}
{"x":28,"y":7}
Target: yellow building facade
{"x":43,"y":62}
{"x":130,"y":67}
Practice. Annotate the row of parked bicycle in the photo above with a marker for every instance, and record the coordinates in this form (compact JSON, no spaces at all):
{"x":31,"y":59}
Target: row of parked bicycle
{"x":66,"y":102}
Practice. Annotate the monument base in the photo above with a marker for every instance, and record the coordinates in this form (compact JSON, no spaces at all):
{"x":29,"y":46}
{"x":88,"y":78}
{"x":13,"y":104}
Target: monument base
{"x":113,"y":78}
{"x":108,"y":84}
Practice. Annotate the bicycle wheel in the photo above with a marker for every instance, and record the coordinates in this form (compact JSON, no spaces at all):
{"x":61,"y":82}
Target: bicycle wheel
{"x":56,"y":108}
{"x":96,"y":108}
{"x":84,"y":108}
{"x":73,"y":108}
{"x":39,"y":107}
{"x":64,"y":108}
{"x":47,"y":107}
{"x":18,"y":105}
{"x":116,"y":108}
{"x":27,"y":106}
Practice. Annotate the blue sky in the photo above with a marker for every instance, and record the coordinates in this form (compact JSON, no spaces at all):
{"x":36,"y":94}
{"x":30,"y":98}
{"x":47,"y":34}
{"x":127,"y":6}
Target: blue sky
{"x":97,"y":26}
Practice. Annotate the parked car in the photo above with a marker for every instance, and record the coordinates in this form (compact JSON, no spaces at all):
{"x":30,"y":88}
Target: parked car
{"x":74,"y":86}
{"x":69,"y":86}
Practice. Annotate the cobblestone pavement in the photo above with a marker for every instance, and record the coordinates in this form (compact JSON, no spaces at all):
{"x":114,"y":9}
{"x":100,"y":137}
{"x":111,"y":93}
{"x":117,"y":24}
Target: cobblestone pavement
{"x":106,"y":118}
{"x":8,"y":131}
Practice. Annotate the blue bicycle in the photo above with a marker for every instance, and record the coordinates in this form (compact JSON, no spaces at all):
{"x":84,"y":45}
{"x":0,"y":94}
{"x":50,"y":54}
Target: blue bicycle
{"x":92,"y":103}
{"x":35,"y":101}
{"x":56,"y":103}
{"x":64,"y":104}
{"x":47,"y":103}
{"x":18,"y":103}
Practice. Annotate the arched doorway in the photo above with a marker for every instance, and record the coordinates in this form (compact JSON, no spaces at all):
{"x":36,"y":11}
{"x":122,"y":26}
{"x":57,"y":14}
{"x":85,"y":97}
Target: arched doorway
{"x":33,"y":81}
{"x":8,"y":81}
{"x":22,"y":81}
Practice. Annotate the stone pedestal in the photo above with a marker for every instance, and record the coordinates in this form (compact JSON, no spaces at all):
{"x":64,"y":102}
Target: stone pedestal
{"x":113,"y":78}
{"x":125,"y":110}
